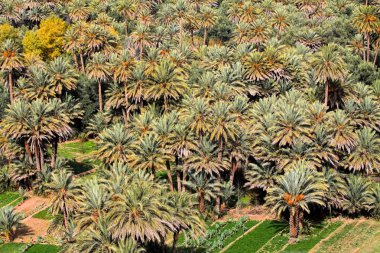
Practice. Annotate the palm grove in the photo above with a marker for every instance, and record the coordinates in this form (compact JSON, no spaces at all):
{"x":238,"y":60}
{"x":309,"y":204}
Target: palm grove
{"x":188,"y":102}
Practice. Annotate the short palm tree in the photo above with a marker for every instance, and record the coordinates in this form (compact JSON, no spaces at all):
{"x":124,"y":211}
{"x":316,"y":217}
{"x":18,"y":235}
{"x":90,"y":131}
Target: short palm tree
{"x":64,"y":192}
{"x":357,"y":192}
{"x":328,"y":66}
{"x":205,"y":188}
{"x":295,"y":192}
{"x":185,"y":216}
{"x":9,"y":222}
{"x":260,"y":176}
{"x":366,"y":153}
{"x":373,"y":199}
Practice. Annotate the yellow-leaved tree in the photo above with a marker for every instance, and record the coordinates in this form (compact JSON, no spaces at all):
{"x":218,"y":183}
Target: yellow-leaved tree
{"x":48,"y":41}
{"x":9,"y":32}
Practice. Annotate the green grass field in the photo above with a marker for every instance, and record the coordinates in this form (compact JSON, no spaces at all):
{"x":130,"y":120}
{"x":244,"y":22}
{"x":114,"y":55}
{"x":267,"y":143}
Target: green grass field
{"x":78,"y":154}
{"x":8,"y":197}
{"x":253,"y":241}
{"x":44,"y":215}
{"x":306,"y":243}
{"x":36,"y":248}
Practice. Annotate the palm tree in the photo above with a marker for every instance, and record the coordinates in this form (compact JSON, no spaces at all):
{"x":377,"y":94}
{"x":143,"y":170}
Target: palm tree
{"x":130,"y":246}
{"x":64,"y":192}
{"x":207,"y":20}
{"x":366,"y":153}
{"x":295,"y":191}
{"x":261,"y":176}
{"x":205,"y":187}
{"x":373,"y":199}
{"x":10,"y":61}
{"x":98,"y":69}
{"x":91,"y":204}
{"x":185,"y":216}
{"x":9,"y":222}
{"x":204,"y":159}
{"x":357,"y":192}
{"x":328,"y":66}
{"x":98,"y":239}
{"x":167,"y":82}
{"x":115,"y":144}
{"x":366,"y":20}
{"x":140,"y":212}
{"x":141,"y":38}
{"x":179,"y":12}
{"x":62,"y":75}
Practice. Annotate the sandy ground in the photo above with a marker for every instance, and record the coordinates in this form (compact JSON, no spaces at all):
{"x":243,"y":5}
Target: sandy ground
{"x":32,"y":228}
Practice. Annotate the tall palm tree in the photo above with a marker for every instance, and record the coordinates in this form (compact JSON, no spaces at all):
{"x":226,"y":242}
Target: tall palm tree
{"x":295,"y":191}
{"x":9,"y":222}
{"x":167,"y":82}
{"x":141,"y":38}
{"x":328,"y":66}
{"x":98,"y":69}
{"x":10,"y":61}
{"x":207,"y":20}
{"x":64,"y":191}
{"x":115,"y":144}
{"x":62,"y":75}
{"x":367,"y":21}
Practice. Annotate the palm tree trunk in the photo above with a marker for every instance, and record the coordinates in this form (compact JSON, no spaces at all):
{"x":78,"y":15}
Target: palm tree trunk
{"x":125,"y":116}
{"x":75,"y":58}
{"x":292,"y":226}
{"x":184,"y":174}
{"x":376,"y":55}
{"x":82,"y":62}
{"x":202,"y":202}
{"x":65,"y":215}
{"x":326,"y":93}
{"x":180,"y":32}
{"x":179,"y":186}
{"x":170,"y":177}
{"x":37,"y":157}
{"x":141,"y":49}
{"x":219,"y":178}
{"x":10,"y":84}
{"x":27,"y":151}
{"x":204,"y":36}
{"x":100,"y":97}
{"x":368,"y":47}
{"x":41,"y":156}
{"x":233,"y":170}
{"x":175,"y":239}
{"x":54,"y":150}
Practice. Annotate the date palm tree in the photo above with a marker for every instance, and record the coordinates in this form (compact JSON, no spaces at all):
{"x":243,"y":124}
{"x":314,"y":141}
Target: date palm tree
{"x":366,"y":20}
{"x":140,"y":213}
{"x":185,"y":216}
{"x":295,"y":192}
{"x":64,"y":191}
{"x":115,"y":144}
{"x":207,"y":20}
{"x":366,"y":153}
{"x":9,"y":222}
{"x":205,"y":188}
{"x":167,"y":82}
{"x":357,"y":192}
{"x":62,"y":75}
{"x":10,"y":61}
{"x":373,"y":199}
{"x":98,"y":69}
{"x":328,"y":66}
{"x":260,"y":176}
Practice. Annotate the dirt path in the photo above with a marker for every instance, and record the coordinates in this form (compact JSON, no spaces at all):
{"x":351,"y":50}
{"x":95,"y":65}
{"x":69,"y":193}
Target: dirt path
{"x":32,"y":228}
